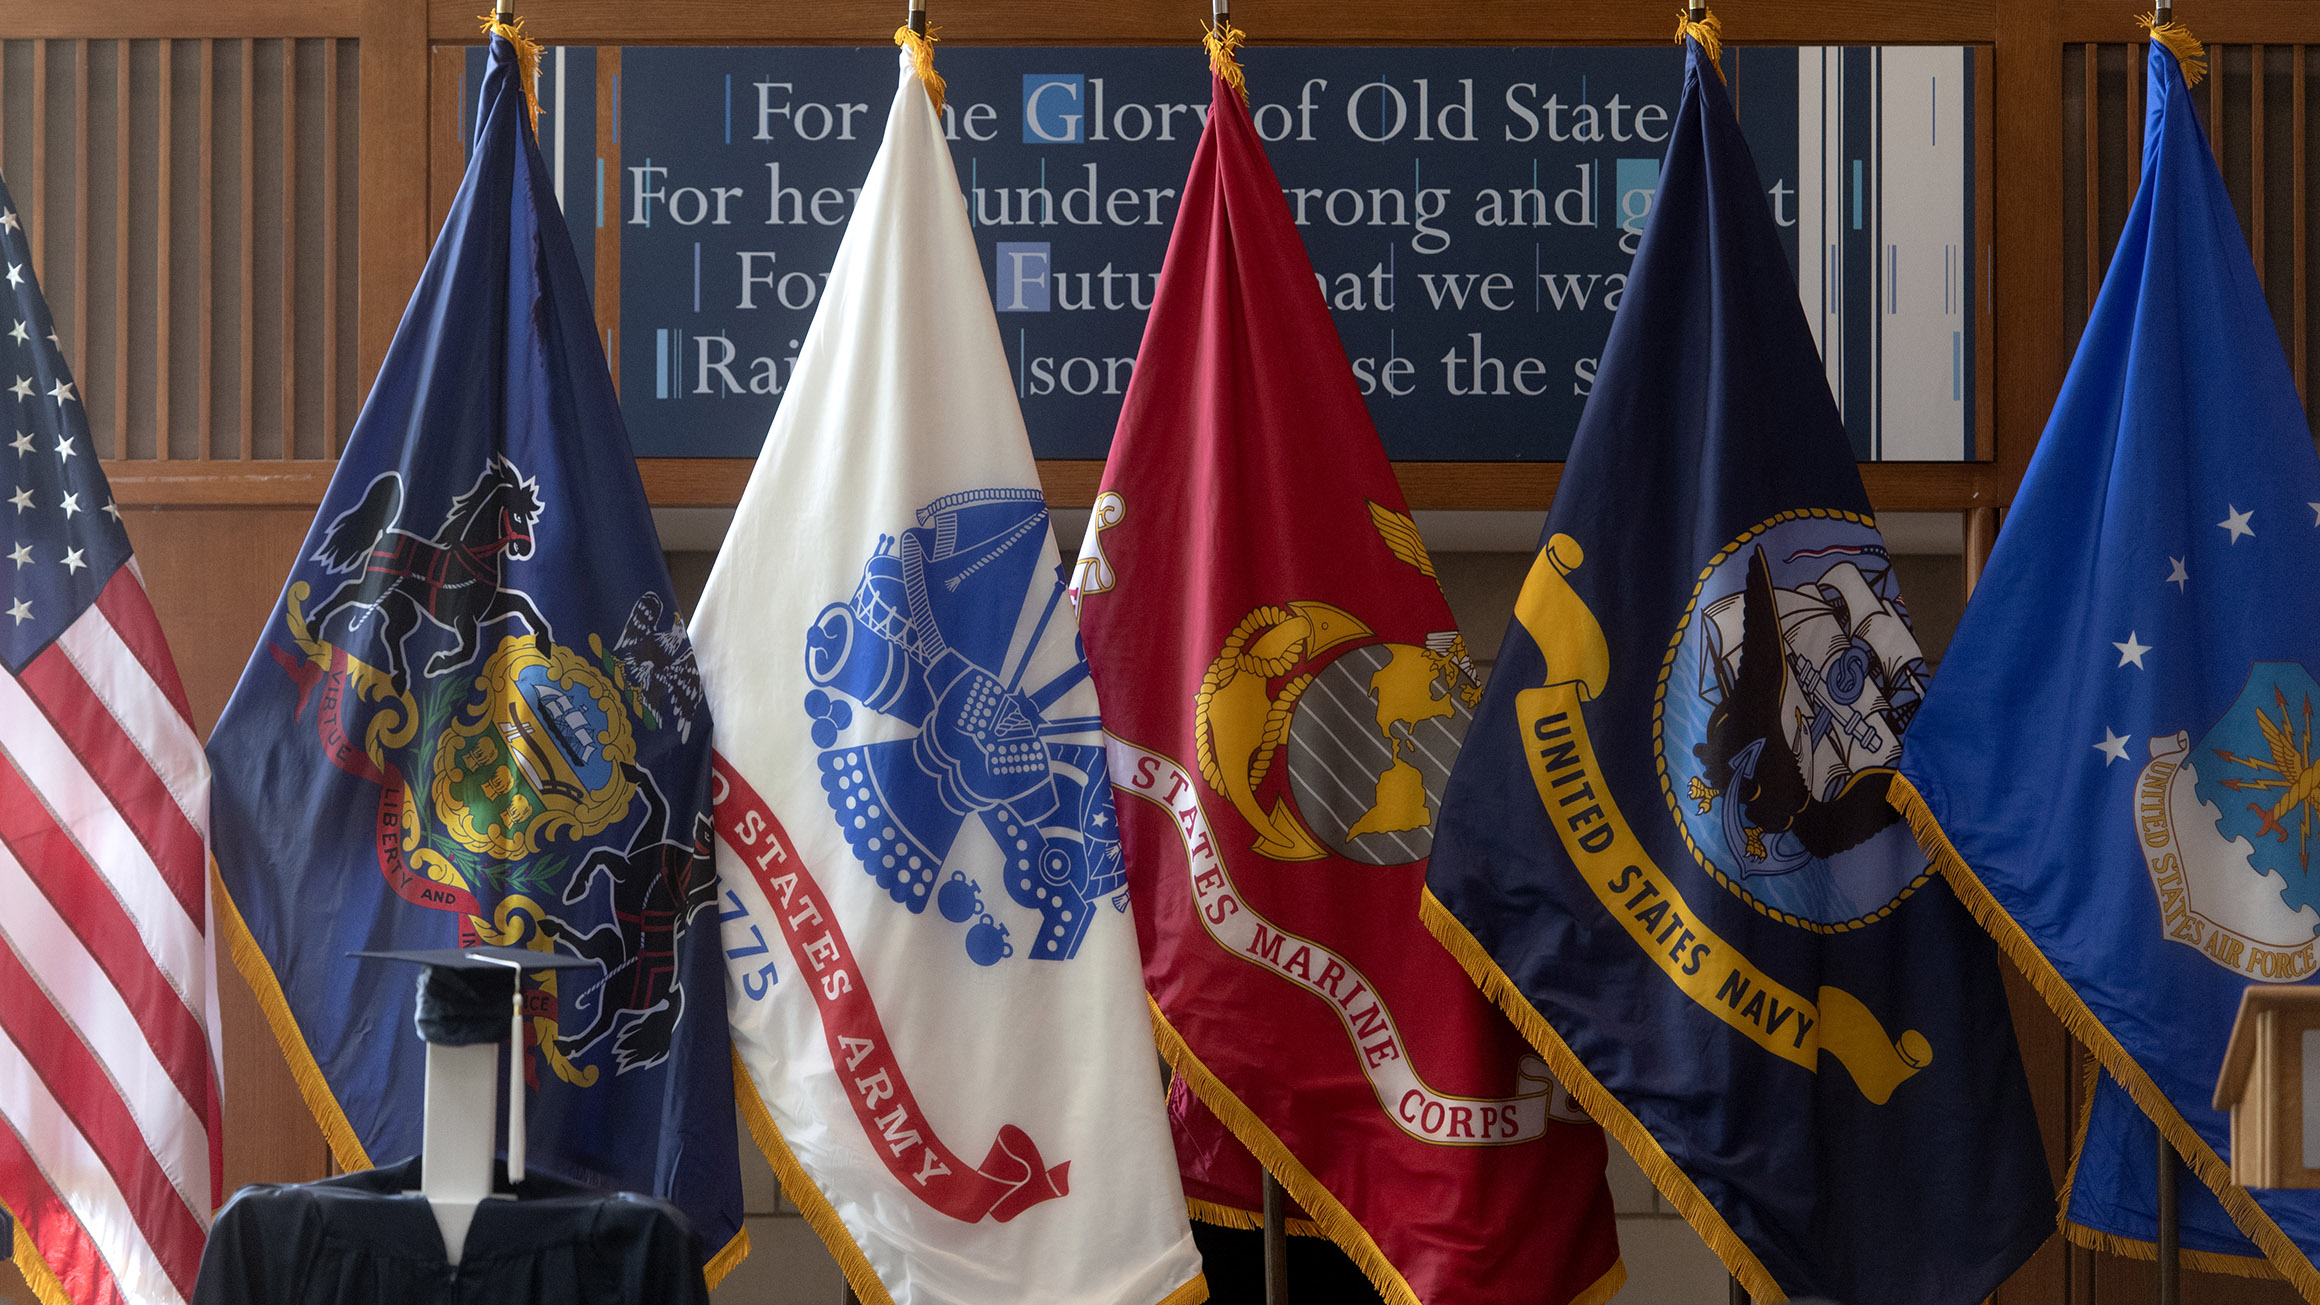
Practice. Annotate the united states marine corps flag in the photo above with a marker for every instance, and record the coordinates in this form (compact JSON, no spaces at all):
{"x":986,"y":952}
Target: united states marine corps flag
{"x":1285,"y":689}
{"x":1666,"y":848}
{"x":2142,"y":644}
{"x":932,"y":967}
{"x":474,"y":717}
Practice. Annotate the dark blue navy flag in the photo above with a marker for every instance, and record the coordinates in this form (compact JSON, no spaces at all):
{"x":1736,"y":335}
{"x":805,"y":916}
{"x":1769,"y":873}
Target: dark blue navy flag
{"x":1666,"y":846}
{"x":2118,"y":770}
{"x":475,"y":716}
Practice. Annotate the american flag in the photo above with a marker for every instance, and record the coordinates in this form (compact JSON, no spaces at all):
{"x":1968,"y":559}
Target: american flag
{"x":108,"y":1082}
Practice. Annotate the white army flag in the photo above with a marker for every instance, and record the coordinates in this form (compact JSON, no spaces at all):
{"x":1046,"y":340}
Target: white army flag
{"x":933,"y":977}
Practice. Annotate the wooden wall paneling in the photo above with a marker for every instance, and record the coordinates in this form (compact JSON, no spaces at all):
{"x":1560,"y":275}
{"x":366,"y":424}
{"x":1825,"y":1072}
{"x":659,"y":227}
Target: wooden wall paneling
{"x":164,"y":251}
{"x":146,"y":20}
{"x":1986,"y":240}
{"x":2093,"y":115}
{"x":1279,"y":22}
{"x":290,"y":337}
{"x":206,"y":332}
{"x":2299,"y":357}
{"x":2256,"y":116}
{"x":122,"y":134}
{"x":79,"y":357}
{"x":394,"y":98}
{"x":246,"y":316}
{"x":40,"y":206}
{"x":331,"y":434}
{"x":446,"y":152}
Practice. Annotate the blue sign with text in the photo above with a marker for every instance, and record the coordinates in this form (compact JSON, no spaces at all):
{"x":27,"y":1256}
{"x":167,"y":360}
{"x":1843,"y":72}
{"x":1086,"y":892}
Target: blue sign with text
{"x":1470,"y":214}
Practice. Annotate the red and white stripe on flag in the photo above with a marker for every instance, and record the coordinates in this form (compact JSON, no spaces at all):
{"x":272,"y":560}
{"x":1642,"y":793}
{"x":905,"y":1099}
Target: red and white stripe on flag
{"x":108,"y":1073}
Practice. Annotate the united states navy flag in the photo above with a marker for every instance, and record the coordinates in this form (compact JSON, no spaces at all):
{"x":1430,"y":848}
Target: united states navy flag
{"x":2118,"y":769}
{"x":475,"y":716}
{"x":1666,"y":847}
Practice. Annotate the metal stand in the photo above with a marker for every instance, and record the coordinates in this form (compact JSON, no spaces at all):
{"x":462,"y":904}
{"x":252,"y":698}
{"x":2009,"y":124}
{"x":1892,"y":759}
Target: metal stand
{"x":1276,"y":1242}
{"x":1738,"y":1294}
{"x":2170,"y":1228}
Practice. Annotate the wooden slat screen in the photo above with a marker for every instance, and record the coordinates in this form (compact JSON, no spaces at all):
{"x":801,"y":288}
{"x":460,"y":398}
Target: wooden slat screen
{"x":193,"y":207}
{"x":2254,"y":108}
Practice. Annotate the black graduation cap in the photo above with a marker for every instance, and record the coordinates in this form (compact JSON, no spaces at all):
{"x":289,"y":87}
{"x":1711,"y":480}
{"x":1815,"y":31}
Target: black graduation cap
{"x":471,"y":995}
{"x":465,"y":993}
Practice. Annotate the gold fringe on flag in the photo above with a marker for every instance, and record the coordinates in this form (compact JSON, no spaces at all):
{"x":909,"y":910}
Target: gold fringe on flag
{"x":1602,"y":1107}
{"x":2072,"y":1010}
{"x":1232,"y":1216}
{"x":37,"y":1275}
{"x":1708,"y":32}
{"x":527,"y":59}
{"x":2188,"y":52}
{"x":802,"y":1192}
{"x":921,"y":50}
{"x":1223,"y":42}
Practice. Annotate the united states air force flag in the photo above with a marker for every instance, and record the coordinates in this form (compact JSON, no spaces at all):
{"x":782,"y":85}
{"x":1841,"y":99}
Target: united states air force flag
{"x":1666,"y":846}
{"x":475,"y":716}
{"x":2118,"y":767}
{"x":932,"y":962}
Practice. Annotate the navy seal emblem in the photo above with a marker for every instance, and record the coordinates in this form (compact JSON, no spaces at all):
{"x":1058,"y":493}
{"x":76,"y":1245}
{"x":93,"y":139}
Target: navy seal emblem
{"x":1780,"y":717}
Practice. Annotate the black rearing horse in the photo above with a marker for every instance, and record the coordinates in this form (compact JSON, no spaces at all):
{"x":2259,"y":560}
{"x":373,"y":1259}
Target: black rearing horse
{"x":453,"y":579}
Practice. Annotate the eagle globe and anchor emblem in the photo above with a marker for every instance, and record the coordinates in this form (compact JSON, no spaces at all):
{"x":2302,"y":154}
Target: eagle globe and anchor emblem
{"x":946,"y":639}
{"x":1327,"y":738}
{"x":1786,"y":692}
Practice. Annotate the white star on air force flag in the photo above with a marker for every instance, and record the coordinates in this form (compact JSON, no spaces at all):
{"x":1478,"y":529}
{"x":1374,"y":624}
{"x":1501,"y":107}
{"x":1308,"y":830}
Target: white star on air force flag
{"x":2113,"y":747}
{"x":2236,"y":522}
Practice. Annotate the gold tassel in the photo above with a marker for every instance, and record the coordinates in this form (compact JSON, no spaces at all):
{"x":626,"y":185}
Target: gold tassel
{"x":1708,"y":32}
{"x":1223,"y":42}
{"x":921,"y":50}
{"x":2188,"y":52}
{"x":2080,"y":1021}
{"x":1229,"y":1216}
{"x":527,"y":59}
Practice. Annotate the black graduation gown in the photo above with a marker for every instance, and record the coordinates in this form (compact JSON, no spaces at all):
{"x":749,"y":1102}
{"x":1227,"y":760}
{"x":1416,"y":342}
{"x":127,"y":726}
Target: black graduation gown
{"x":370,"y":1237}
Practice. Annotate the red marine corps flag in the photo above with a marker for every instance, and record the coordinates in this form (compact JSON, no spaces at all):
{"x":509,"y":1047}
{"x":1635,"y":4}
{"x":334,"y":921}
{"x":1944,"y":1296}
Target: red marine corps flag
{"x":1284,"y":690}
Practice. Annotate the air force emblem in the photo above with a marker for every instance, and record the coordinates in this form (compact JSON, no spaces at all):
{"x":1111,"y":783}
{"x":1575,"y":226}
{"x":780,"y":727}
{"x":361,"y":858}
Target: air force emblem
{"x":938,"y":698}
{"x":2225,"y":827}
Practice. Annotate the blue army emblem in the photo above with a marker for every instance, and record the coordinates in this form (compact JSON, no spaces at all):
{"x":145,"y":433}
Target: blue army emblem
{"x":946,"y":640}
{"x":1780,"y":717}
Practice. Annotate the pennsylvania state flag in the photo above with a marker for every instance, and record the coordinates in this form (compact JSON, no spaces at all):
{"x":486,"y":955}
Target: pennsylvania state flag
{"x":2117,"y":771}
{"x":1666,"y":847}
{"x":475,"y":717}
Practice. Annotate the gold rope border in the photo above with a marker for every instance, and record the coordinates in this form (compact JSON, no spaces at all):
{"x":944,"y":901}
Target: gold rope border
{"x":2076,"y":1017}
{"x":2095,"y":1239}
{"x":321,"y":1102}
{"x":1334,"y":1220}
{"x":1598,"y":1102}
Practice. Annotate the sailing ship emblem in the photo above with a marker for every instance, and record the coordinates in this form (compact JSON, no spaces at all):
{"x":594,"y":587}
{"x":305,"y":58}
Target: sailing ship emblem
{"x":1782,"y":715}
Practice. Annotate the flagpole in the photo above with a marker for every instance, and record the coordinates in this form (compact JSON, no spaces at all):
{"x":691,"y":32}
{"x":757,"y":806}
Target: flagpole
{"x":2170,"y":1214}
{"x":1276,"y":1231}
{"x":1737,"y":1294}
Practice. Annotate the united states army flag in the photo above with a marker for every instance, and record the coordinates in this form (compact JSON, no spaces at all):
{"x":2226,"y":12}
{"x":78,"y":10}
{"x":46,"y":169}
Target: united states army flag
{"x":932,"y":961}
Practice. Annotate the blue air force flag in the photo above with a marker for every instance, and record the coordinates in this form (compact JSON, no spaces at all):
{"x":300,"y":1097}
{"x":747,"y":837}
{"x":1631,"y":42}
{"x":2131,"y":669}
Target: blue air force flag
{"x":1666,"y":845}
{"x":2121,"y":753}
{"x":475,"y":716}
{"x":932,"y":963}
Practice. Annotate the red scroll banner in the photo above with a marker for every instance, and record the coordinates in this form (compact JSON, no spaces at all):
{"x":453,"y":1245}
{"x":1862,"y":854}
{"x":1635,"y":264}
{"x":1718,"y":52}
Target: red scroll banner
{"x":1012,"y":1177}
